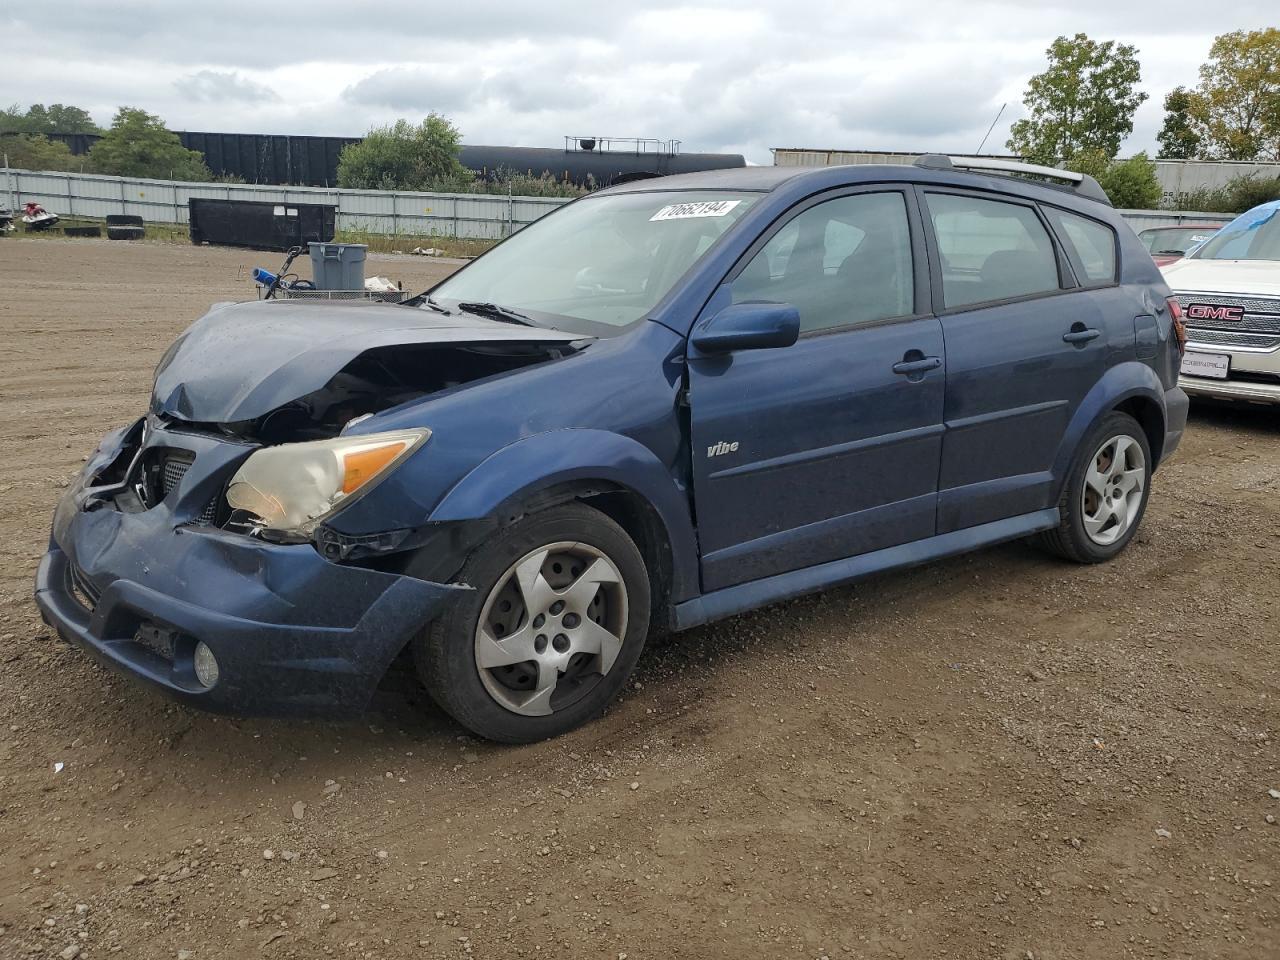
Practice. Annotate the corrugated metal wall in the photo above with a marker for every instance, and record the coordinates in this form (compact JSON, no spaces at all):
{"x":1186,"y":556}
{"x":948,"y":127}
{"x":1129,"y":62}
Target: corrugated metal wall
{"x":480,"y":216}
{"x":1175,"y":176}
{"x":1141,"y":219}
{"x":801,"y":157}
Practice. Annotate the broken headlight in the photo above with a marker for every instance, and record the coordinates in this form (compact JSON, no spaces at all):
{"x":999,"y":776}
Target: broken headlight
{"x":292,"y":487}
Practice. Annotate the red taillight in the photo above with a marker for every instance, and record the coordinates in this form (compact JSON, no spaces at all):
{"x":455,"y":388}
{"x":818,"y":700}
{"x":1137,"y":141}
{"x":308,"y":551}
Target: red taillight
{"x":1179,"y":325}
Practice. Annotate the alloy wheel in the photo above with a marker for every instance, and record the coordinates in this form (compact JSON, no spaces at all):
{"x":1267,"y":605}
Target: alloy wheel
{"x":1114,"y":487}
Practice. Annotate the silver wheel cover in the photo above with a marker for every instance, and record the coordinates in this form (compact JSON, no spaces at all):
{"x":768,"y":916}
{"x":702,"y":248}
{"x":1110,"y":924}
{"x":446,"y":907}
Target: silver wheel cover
{"x":558,"y":613}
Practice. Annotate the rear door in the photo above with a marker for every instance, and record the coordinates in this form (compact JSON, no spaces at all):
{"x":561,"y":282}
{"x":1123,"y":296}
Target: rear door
{"x":1025,"y":343}
{"x":830,"y":447}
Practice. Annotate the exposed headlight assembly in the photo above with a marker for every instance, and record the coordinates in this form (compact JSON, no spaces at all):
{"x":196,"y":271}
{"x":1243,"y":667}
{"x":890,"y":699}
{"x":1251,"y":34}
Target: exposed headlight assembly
{"x":292,"y":487}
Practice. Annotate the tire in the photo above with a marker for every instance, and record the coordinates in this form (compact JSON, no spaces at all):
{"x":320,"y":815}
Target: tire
{"x":1102,"y":508}
{"x":124,"y":233}
{"x":82,"y":231}
{"x":580,"y":653}
{"x":123,"y":220}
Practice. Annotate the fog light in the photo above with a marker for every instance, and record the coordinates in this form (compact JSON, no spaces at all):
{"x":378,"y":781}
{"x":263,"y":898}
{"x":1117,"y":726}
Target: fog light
{"x":206,"y":665}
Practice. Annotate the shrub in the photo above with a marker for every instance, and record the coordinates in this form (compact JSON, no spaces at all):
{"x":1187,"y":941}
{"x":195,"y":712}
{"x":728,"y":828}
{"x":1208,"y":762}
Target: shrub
{"x":1132,"y":184}
{"x":406,"y":157}
{"x":506,"y":180}
{"x":31,"y":152}
{"x":1129,"y":184}
{"x":1242,"y":193}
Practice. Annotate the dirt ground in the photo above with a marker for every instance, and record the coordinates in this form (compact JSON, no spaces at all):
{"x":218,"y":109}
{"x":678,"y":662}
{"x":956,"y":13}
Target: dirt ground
{"x":1001,"y":756}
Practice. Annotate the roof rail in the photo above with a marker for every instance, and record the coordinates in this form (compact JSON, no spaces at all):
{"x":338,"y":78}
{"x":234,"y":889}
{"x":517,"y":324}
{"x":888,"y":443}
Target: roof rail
{"x":1083,"y":184}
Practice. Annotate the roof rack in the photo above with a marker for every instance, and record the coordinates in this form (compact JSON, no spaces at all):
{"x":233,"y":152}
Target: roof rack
{"x":1082,"y":183}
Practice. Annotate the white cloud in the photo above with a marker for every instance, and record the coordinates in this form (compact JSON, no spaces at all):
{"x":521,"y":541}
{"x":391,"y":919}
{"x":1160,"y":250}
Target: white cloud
{"x":737,"y":76}
{"x":220,"y":86}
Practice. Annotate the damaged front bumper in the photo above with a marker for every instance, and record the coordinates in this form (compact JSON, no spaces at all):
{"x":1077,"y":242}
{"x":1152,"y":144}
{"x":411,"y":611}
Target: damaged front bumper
{"x":292,"y":632}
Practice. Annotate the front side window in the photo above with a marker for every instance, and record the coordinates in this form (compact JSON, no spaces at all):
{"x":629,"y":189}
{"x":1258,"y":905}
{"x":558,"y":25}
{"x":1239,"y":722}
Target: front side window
{"x":601,"y":264}
{"x":990,"y":250}
{"x":1092,"y":246}
{"x":841,"y":262}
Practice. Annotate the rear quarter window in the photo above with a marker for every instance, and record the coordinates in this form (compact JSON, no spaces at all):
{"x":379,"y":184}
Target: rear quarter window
{"x":1090,"y":246}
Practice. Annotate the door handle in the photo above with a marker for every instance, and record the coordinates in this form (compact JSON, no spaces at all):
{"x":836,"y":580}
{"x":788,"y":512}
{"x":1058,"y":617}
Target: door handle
{"x":1080,"y":334}
{"x":917,"y":366}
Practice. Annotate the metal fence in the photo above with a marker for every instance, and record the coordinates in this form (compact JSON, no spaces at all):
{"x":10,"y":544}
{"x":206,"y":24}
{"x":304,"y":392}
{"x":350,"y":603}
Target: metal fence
{"x":479,"y":216}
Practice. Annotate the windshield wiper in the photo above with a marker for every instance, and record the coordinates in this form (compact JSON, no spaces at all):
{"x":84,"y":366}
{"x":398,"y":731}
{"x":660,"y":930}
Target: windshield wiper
{"x":494,"y":311}
{"x":432,"y":304}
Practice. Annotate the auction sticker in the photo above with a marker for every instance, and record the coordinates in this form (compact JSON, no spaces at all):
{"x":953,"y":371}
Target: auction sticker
{"x":688,"y":211}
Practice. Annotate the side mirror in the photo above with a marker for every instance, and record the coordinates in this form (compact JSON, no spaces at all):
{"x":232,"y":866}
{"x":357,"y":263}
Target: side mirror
{"x":748,"y":326}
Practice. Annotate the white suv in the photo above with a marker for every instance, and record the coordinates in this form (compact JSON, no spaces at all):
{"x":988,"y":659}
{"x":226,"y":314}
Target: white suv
{"x":1229,"y":290}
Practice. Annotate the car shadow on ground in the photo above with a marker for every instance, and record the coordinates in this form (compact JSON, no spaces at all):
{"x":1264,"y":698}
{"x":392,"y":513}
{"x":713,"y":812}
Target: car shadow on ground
{"x":1256,"y":418}
{"x":708,"y":652}
{"x":401,"y":714}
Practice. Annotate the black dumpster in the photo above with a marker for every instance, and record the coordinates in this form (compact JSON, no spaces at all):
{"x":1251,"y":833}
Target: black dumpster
{"x":262,"y":226}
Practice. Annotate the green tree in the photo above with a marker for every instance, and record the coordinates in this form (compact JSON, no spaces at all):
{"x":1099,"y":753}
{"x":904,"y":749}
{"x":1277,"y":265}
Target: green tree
{"x":138,"y":145}
{"x":1236,"y":105}
{"x":403,"y":156}
{"x":56,"y":118}
{"x":31,"y":152}
{"x":1085,"y":100}
{"x":1177,"y":138}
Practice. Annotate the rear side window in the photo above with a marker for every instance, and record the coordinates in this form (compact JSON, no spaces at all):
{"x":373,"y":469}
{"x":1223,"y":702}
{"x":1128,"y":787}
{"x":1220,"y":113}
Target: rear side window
{"x":1091,"y":246}
{"x":991,"y":250}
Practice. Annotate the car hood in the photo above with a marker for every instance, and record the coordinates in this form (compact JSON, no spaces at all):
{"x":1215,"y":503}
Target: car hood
{"x":242,"y":360}
{"x":1244,"y":277}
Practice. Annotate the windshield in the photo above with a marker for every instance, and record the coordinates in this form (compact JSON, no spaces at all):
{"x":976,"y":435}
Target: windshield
{"x":1174,"y":239}
{"x":599,"y":265}
{"x":1251,"y":236}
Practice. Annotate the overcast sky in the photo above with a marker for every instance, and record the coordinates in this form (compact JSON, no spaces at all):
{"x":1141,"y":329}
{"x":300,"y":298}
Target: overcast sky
{"x":739,"y":76}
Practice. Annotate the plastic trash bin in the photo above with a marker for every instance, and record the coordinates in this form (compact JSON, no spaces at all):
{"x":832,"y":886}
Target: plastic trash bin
{"x":338,"y":266}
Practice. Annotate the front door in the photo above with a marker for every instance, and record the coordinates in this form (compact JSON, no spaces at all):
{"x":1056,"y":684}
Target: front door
{"x":830,"y":447}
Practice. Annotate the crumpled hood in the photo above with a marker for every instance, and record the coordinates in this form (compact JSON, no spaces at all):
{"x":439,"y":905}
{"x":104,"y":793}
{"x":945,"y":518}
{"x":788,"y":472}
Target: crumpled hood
{"x":242,"y":360}
{"x":1259,"y":278}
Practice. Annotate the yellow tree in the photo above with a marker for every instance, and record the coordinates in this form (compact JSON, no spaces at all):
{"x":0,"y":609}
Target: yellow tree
{"x":1236,"y":106}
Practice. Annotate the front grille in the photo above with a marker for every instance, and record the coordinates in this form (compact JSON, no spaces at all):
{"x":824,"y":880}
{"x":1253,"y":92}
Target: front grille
{"x":1234,"y":338}
{"x":174,"y":469}
{"x":1261,"y":314}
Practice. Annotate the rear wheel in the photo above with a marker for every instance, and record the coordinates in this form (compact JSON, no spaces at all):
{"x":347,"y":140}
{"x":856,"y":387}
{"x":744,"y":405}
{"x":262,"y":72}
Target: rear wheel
{"x":549,"y":635}
{"x":1106,"y":492}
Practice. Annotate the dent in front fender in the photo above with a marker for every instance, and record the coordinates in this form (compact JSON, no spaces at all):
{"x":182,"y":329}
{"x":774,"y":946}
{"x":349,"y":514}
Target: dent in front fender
{"x":565,"y":456}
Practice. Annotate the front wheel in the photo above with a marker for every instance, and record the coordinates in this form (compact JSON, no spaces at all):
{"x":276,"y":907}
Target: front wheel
{"x":1106,"y":492}
{"x":553,"y":628}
